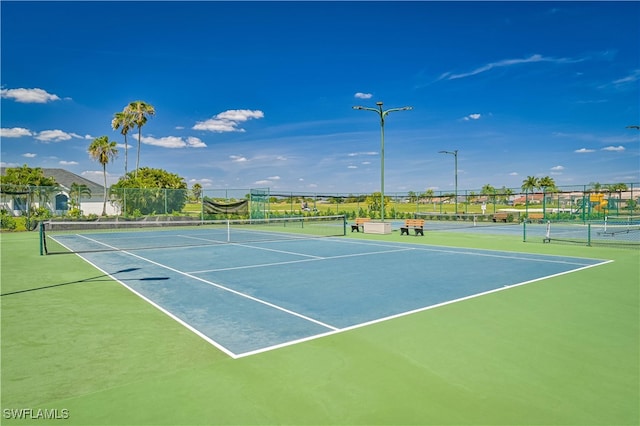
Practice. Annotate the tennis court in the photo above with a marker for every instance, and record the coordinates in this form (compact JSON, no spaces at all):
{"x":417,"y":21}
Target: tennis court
{"x":268,"y":291}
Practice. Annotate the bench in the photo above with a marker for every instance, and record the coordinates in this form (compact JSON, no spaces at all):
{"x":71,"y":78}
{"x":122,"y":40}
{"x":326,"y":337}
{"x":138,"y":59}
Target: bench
{"x":360,"y":221}
{"x":416,"y":224}
{"x":535,"y":217}
{"x":501,"y":216}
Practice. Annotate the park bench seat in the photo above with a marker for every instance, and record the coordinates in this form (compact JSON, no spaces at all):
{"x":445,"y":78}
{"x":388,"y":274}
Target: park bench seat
{"x":360,"y":221}
{"x":416,"y":224}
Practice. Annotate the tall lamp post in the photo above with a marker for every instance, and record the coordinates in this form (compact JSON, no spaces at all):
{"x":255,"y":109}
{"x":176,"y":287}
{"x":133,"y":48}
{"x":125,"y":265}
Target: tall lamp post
{"x":455,"y":155}
{"x":382,"y":115}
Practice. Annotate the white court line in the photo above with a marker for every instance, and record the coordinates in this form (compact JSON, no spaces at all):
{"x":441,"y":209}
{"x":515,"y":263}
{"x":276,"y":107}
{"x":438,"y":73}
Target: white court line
{"x":492,"y":253}
{"x":315,"y":258}
{"x":335,"y":330}
{"x":414,"y":311}
{"x":230,"y":290}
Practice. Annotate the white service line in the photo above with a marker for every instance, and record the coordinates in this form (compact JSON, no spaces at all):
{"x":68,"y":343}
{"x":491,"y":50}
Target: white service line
{"x":230,"y":290}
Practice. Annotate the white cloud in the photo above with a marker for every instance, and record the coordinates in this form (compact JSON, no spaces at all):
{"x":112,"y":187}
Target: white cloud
{"x":472,"y":117}
{"x":262,"y":182}
{"x":614,"y":148}
{"x":361,"y":95}
{"x":174,"y":142}
{"x":14,"y":132}
{"x":355,"y":154}
{"x":274,"y":178}
{"x":205,"y":183}
{"x":513,"y":174}
{"x":29,"y":155}
{"x":557,"y":168}
{"x":507,"y":63}
{"x":352,"y":167}
{"x":584,"y":150}
{"x":238,"y":158}
{"x":194,"y":142}
{"x":55,"y":136}
{"x":68,"y":163}
{"x":29,"y":96}
{"x":631,"y":78}
{"x":228,"y":121}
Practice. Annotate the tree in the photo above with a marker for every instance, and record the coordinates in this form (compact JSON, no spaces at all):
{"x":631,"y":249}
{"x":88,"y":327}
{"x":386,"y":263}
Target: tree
{"x":428,"y":194}
{"x":490,"y":192}
{"x":140,"y":112}
{"x":103,"y":151}
{"x":547,"y":184}
{"x":123,"y":120}
{"x":506,"y":193}
{"x":619,"y":188}
{"x":196,"y":190}
{"x":151,"y":191}
{"x":530,"y":184}
{"x":373,"y":202}
{"x":596,"y":187}
{"x":28,"y":181}
{"x":27,"y":176}
{"x":77,"y":191}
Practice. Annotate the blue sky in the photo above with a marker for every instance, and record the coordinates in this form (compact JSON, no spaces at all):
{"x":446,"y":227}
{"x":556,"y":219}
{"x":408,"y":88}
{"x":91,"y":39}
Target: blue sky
{"x":260,"y":94}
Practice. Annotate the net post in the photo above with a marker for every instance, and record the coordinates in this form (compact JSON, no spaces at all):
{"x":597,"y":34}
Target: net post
{"x":344,"y":225}
{"x":524,"y":231}
{"x":228,"y":231}
{"x":588,"y":234}
{"x":41,"y":235}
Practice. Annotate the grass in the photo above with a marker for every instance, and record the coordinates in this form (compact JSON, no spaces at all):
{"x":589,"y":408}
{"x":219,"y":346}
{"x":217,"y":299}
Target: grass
{"x":560,"y":351}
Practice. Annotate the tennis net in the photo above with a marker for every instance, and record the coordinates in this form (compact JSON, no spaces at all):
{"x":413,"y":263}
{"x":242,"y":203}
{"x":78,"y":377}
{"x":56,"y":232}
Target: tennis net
{"x":446,"y":222}
{"x":613,"y":231}
{"x":109,"y":235}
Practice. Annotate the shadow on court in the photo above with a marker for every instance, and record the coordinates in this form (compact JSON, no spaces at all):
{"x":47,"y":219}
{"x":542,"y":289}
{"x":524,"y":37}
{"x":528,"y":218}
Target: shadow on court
{"x":103,"y":277}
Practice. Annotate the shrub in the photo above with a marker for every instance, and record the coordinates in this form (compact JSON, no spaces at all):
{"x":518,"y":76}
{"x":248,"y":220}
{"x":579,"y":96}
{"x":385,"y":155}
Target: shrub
{"x":8,"y":223}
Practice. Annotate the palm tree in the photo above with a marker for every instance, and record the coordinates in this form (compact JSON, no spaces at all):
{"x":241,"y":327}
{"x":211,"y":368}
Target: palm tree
{"x":619,"y":188}
{"x":77,"y":191}
{"x":123,"y":120}
{"x":529,"y":184}
{"x":548,"y":185}
{"x":140,"y":112}
{"x":196,"y":190}
{"x":103,"y":151}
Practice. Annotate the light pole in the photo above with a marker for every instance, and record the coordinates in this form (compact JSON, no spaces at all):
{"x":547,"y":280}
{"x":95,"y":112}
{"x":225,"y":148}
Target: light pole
{"x":382,"y":115}
{"x":455,"y":155}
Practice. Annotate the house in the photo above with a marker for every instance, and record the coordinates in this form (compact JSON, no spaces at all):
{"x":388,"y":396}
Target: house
{"x":530,"y":198}
{"x":58,"y":201}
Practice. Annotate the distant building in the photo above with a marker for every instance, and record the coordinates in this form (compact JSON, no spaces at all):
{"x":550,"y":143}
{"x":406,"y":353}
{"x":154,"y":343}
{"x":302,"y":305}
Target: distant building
{"x":58,"y":201}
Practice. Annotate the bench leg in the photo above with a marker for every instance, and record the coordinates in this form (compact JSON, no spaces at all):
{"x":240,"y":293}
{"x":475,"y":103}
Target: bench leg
{"x":355,"y":228}
{"x":404,"y":231}
{"x":419,"y":231}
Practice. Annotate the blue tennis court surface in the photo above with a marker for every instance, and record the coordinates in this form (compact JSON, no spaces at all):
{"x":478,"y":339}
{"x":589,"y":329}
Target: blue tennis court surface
{"x":246,"y":298}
